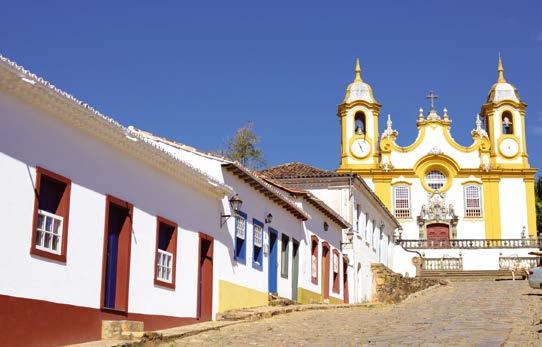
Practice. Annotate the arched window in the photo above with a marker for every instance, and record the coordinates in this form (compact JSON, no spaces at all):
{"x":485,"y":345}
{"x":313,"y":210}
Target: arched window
{"x":401,"y":201}
{"x":473,"y":204}
{"x":360,"y":124}
{"x":507,"y":123}
{"x":435,"y":179}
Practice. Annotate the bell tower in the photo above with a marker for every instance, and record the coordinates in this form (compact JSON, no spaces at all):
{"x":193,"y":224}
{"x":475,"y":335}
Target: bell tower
{"x":358,"y":115}
{"x":504,"y":118}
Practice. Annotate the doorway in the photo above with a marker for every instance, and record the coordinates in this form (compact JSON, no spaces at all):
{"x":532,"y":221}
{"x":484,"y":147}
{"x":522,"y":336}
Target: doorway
{"x":438,"y":235}
{"x":295,"y":268}
{"x":116,"y":259}
{"x":205,"y":277}
{"x":273,"y":264}
{"x":345,"y":282}
{"x":325,"y":271}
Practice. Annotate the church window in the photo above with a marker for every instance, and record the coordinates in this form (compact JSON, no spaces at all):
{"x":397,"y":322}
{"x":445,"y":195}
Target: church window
{"x":435,"y":179}
{"x":401,"y":201}
{"x":473,"y":205}
{"x":240,"y":236}
{"x":360,"y":124}
{"x":507,"y":123}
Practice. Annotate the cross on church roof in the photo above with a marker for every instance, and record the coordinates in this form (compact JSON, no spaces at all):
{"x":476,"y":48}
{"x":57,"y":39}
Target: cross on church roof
{"x":432,"y":96}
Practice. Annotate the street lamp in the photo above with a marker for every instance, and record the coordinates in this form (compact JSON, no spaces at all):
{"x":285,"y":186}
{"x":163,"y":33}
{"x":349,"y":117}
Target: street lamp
{"x":235,"y":204}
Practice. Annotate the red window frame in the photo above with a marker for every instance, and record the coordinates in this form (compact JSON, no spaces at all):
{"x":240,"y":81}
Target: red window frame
{"x":63,"y":210}
{"x":336,"y":275}
{"x":172,"y":248}
{"x":314,"y":252}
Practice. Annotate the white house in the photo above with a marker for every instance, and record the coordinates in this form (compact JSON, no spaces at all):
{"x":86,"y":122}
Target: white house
{"x":101,"y":224}
{"x":373,"y":226}
{"x":292,"y":224}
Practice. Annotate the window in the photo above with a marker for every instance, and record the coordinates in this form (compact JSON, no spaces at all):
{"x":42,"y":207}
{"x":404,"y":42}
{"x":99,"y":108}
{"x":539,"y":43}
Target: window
{"x":257,"y":236}
{"x":435,"y":179}
{"x":507,"y":123}
{"x":314,"y":259}
{"x":240,"y":236}
{"x":166,"y":252}
{"x":359,"y":124}
{"x":473,"y":205}
{"x":284,"y":255}
{"x":401,"y":201}
{"x":336,"y":272}
{"x":51,"y":211}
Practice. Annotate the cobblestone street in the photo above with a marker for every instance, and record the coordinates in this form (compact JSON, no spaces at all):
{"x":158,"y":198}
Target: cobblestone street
{"x":486,"y":313}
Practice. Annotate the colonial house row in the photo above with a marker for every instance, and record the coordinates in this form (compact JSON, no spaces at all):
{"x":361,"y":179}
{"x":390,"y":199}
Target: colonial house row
{"x":106,"y":222}
{"x":371,"y":240}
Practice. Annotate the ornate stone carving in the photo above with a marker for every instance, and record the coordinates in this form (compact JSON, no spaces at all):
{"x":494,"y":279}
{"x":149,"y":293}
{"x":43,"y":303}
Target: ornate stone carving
{"x":436,"y":150}
{"x":437,"y":211}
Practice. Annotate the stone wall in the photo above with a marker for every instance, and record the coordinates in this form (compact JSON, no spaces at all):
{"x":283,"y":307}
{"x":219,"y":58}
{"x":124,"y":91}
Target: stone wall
{"x":390,"y":287}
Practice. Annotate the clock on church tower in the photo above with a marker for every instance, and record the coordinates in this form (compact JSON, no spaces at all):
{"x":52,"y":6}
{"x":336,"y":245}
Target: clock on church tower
{"x":358,"y":115}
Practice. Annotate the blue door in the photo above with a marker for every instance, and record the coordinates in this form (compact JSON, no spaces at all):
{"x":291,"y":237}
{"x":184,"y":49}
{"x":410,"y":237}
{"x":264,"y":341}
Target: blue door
{"x":273,"y":265}
{"x":111,"y":266}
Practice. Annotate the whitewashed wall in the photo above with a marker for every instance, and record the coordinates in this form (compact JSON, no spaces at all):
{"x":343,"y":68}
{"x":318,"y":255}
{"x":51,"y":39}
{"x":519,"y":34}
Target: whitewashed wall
{"x":29,"y":138}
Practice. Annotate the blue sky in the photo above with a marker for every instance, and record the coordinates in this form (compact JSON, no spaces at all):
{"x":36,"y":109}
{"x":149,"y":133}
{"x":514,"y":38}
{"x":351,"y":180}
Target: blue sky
{"x":195,"y":71}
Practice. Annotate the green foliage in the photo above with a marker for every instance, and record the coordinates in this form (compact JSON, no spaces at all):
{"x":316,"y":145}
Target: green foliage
{"x":538,"y":191}
{"x":242,"y":147}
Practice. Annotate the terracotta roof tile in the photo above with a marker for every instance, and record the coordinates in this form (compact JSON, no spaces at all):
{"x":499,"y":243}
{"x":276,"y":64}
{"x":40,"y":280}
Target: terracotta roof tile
{"x":298,"y":170}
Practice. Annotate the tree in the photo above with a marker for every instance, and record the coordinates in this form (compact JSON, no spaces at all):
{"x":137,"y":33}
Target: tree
{"x":243,"y":147}
{"x":538,"y":193}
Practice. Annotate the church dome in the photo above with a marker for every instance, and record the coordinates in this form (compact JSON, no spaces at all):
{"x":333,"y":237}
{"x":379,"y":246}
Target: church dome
{"x":502,"y":90}
{"x":359,"y":90}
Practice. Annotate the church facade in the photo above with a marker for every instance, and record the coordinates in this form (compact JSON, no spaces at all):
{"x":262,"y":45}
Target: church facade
{"x":439,"y":190}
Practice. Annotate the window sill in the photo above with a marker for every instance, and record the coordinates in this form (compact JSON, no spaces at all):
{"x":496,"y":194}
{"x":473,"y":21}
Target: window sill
{"x":159,"y":283}
{"x":48,"y":255}
{"x":284,"y":276}
{"x":474,"y":219}
{"x":257,"y":266}
{"x":314,"y":281}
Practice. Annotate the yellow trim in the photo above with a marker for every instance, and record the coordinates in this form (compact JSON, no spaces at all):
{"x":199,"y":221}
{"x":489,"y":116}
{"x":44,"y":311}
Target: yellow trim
{"x":531,"y":206}
{"x":513,"y":137}
{"x":383,"y":190}
{"x":471,"y":181}
{"x":335,"y":301}
{"x":439,"y":162}
{"x":400,"y":181}
{"x":492,"y":207}
{"x":232,"y":296}
{"x":305,"y":296}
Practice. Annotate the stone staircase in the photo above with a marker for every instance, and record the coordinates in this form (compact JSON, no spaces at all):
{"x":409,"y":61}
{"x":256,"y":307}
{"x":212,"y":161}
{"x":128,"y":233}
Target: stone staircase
{"x":474,"y":275}
{"x":275,"y":300}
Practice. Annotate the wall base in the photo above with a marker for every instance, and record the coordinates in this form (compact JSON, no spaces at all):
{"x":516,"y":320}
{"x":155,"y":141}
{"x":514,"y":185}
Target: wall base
{"x":232,"y":296}
{"x":30,"y":322}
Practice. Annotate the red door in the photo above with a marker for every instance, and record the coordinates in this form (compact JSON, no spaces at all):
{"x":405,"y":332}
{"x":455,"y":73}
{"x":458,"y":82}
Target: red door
{"x":205,"y":285}
{"x":438,"y":235}
{"x":325,"y":271}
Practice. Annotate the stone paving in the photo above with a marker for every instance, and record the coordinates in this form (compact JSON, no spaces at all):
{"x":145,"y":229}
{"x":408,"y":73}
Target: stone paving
{"x":481,"y":313}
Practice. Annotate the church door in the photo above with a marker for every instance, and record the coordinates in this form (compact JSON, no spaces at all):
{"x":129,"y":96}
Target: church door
{"x":438,"y":235}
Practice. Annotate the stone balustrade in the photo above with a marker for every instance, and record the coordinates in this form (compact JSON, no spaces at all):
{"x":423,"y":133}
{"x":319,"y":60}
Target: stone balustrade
{"x":445,"y":263}
{"x":471,"y":243}
{"x":506,"y":263}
